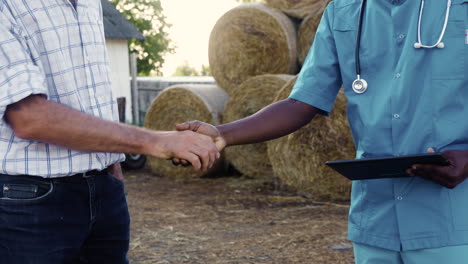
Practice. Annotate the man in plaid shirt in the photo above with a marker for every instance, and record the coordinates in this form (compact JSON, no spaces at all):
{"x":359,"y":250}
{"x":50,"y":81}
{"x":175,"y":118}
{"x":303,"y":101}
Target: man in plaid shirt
{"x":60,"y":142}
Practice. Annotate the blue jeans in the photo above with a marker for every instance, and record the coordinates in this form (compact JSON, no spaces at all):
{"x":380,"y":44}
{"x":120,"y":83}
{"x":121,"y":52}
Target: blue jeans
{"x":68,"y":220}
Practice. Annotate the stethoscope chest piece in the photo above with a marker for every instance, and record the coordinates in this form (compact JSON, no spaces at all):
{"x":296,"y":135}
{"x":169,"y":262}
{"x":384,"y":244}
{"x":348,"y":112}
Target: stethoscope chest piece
{"x":359,"y":86}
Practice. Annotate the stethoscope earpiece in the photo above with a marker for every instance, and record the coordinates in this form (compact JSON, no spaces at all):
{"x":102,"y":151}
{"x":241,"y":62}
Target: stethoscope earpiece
{"x":439,"y":44}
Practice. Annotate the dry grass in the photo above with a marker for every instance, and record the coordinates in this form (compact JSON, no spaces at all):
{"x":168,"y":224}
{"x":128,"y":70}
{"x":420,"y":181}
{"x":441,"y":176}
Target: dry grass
{"x":230,"y":220}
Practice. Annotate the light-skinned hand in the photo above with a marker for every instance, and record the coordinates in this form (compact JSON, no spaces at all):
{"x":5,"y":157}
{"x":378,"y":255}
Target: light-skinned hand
{"x":201,"y":128}
{"x":197,"y":149}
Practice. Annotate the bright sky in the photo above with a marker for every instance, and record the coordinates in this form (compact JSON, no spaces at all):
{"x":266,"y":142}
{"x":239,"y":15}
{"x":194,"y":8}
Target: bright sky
{"x":192,"y":22}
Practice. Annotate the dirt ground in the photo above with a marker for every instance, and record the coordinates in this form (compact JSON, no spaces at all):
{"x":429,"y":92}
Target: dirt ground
{"x":231,"y":220}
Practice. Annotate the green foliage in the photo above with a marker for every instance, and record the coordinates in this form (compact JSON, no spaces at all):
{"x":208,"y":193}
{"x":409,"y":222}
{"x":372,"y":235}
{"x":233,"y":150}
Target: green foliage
{"x":186,"y":70}
{"x":147,"y":16}
{"x":205,"y":71}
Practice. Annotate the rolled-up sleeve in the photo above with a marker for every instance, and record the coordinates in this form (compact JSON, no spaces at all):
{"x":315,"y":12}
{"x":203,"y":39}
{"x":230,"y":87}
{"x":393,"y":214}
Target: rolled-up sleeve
{"x":20,"y":74}
{"x":319,"y":80}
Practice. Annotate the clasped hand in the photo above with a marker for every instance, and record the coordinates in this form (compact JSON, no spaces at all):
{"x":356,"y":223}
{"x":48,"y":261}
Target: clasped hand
{"x":194,"y":149}
{"x":204,"y":129}
{"x":448,"y":176}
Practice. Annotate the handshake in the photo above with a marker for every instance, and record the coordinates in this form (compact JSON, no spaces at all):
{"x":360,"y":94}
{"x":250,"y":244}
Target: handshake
{"x":195,"y":143}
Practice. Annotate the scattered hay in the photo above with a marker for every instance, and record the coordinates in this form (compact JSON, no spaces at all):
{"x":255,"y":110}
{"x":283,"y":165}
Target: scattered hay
{"x":299,"y":159}
{"x":251,"y":96}
{"x":306,"y":35}
{"x":298,"y":8}
{"x":178,"y":104}
{"x":251,"y":40}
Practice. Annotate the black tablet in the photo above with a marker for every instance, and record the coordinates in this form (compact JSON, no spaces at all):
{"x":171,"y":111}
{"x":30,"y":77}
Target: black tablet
{"x":387,"y":167}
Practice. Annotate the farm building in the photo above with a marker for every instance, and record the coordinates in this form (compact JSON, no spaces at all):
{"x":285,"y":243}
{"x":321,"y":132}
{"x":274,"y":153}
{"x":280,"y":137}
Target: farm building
{"x":118,"y":31}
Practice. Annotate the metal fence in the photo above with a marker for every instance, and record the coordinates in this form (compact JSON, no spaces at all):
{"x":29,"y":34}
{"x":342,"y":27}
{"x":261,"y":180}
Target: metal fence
{"x":149,"y":87}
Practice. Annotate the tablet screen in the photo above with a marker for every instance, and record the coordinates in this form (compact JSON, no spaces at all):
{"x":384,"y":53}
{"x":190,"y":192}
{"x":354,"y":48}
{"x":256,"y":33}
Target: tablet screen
{"x":387,"y":167}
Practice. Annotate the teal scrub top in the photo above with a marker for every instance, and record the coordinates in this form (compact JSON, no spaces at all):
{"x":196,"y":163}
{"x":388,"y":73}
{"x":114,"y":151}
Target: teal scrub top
{"x":417,"y":99}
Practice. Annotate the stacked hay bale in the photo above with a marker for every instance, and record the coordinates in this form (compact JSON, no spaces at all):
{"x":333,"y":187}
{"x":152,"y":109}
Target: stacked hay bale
{"x":251,"y":96}
{"x":298,"y":8}
{"x":178,"y":104}
{"x":251,"y":40}
{"x":248,"y":47}
{"x":299,"y":159}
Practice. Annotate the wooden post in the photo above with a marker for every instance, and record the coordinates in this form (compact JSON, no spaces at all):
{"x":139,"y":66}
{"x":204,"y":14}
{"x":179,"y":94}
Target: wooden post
{"x":134,"y":86}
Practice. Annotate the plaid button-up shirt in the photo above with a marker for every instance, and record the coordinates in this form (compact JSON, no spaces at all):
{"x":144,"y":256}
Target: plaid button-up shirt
{"x":49,"y":48}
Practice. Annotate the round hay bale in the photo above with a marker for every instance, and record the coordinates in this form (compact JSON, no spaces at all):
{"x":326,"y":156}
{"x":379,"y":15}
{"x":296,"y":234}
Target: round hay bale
{"x":306,"y":35}
{"x":299,"y":159}
{"x":181,"y":103}
{"x":299,"y":8}
{"x":251,"y":96}
{"x":251,"y":40}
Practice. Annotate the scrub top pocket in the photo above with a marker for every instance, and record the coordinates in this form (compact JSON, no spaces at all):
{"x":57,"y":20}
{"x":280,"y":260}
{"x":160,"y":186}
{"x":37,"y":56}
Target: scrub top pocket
{"x":450,"y":63}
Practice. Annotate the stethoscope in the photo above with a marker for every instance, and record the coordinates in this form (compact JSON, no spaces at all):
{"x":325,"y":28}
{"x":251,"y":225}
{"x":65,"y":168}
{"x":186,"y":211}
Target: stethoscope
{"x":360,"y":85}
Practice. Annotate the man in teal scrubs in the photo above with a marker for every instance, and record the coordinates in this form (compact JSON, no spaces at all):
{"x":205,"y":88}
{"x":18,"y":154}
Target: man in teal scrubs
{"x":417,"y":101}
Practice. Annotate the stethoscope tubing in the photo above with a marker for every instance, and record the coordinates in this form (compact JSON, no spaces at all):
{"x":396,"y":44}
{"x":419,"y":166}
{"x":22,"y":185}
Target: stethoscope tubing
{"x":360,"y":85}
{"x":419,"y":44}
{"x":358,"y":40}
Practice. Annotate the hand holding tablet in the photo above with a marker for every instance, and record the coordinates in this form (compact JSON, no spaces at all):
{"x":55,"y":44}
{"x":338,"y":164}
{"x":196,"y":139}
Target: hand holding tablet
{"x":387,"y":167}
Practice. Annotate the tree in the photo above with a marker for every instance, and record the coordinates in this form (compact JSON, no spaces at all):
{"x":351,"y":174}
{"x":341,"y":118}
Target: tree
{"x":148,"y":17}
{"x":205,"y":71}
{"x":185,"y":70}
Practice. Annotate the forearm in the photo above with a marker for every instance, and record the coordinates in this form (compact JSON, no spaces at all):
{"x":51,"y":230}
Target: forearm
{"x":35,"y":118}
{"x":273,"y":121}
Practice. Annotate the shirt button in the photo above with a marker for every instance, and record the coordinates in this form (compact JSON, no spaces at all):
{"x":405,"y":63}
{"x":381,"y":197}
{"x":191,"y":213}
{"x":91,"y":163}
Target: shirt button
{"x":397,"y":75}
{"x":401,"y":36}
{"x":399,"y":198}
{"x":396,"y":116}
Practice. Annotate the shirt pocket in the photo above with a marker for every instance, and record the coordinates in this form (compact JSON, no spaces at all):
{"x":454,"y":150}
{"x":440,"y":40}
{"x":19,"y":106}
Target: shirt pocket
{"x":344,"y":34}
{"x":458,"y":197}
{"x":358,"y":203}
{"x":450,"y":63}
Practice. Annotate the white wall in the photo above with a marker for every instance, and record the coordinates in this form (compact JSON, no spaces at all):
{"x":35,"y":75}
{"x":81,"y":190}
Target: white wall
{"x":120,"y":72}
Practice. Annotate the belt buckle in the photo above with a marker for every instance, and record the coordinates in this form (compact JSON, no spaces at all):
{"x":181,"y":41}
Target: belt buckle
{"x":86,"y":174}
{"x":90,"y":173}
{"x":93,"y":173}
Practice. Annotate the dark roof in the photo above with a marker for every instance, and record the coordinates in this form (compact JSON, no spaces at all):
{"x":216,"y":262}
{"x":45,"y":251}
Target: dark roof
{"x":115,"y":24}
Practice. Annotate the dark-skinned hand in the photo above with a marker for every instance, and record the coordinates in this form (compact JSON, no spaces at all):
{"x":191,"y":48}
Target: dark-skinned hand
{"x":448,"y":176}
